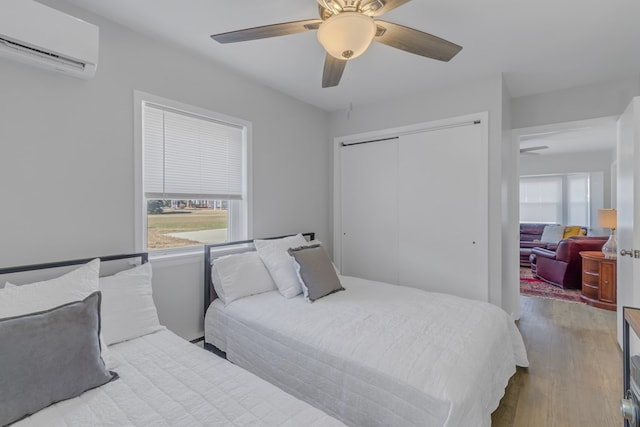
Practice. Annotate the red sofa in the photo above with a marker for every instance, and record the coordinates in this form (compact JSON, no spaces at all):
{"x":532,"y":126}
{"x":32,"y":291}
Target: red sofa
{"x":563,"y":267}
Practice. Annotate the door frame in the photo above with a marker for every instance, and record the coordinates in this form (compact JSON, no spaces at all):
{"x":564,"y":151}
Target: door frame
{"x":628,"y":270}
{"x":516,"y":134}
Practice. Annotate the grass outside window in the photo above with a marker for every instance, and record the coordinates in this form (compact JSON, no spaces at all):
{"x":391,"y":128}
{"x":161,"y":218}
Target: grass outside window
{"x":160,"y":227}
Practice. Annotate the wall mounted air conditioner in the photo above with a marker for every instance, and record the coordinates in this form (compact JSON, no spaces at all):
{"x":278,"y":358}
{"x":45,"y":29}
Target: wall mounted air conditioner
{"x":38,"y":35}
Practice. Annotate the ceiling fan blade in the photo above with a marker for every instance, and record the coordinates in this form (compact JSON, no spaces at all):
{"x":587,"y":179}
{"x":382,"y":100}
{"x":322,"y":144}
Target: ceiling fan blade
{"x":333,"y":69}
{"x":379,"y":7}
{"x":416,"y":42}
{"x":539,"y":147}
{"x":267,"y":31}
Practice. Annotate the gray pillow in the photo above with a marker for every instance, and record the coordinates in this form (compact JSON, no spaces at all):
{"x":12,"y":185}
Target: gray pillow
{"x":50,"y":356}
{"x":315,"y":271}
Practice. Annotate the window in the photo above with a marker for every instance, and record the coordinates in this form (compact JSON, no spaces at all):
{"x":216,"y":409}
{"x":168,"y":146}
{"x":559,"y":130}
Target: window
{"x":194,"y":177}
{"x":556,"y":199}
{"x":578,"y":195}
{"x":541,"y":199}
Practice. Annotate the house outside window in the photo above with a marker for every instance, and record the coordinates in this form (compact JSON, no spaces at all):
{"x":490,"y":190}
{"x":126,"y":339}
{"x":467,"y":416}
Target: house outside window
{"x":193,"y":177}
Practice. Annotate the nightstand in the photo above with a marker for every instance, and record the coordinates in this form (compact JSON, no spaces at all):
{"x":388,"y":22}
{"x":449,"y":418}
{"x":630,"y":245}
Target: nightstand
{"x":598,"y":280}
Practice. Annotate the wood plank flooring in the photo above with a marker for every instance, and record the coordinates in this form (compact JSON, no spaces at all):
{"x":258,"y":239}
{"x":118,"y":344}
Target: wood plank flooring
{"x":575,"y":368}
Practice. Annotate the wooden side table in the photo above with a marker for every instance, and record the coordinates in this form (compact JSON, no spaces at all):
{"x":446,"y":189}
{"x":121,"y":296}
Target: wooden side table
{"x":598,"y":280}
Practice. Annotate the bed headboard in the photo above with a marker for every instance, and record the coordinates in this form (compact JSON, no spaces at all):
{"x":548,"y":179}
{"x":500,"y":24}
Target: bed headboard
{"x":20,"y":274}
{"x":217,"y":250}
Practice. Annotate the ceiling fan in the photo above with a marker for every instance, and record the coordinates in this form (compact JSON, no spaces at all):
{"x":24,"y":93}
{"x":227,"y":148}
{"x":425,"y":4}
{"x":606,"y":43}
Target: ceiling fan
{"x":346,"y":28}
{"x":532,"y":150}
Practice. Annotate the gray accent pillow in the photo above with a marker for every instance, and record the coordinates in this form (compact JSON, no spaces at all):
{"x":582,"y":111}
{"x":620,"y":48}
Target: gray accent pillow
{"x":50,"y":356}
{"x":315,"y":271}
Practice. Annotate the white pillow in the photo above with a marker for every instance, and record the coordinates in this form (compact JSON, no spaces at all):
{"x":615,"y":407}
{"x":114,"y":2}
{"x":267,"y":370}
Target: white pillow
{"x":217,"y":284}
{"x":128,"y":310}
{"x":552,"y":233}
{"x":280,"y":264}
{"x":241,"y":275}
{"x":76,"y":285}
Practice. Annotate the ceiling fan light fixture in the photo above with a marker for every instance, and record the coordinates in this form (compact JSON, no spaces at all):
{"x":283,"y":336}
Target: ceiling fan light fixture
{"x":347,"y":35}
{"x":371,"y":7}
{"x":332,"y":5}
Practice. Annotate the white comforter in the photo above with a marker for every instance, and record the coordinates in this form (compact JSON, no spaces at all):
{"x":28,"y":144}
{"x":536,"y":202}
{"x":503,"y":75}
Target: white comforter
{"x":166,"y":381}
{"x":376,"y":354}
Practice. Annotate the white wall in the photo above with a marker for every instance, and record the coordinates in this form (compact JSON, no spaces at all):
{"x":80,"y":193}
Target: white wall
{"x":66,"y":157}
{"x":510,"y":213}
{"x":601,"y":99}
{"x":591,"y":161}
{"x":483,"y":95}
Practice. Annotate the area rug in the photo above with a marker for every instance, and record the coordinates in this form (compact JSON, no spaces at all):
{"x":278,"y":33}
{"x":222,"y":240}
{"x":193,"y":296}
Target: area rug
{"x":531,"y":286}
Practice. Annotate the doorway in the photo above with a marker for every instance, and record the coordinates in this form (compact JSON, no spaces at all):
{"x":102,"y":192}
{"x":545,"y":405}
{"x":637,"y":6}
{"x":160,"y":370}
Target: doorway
{"x":575,"y":161}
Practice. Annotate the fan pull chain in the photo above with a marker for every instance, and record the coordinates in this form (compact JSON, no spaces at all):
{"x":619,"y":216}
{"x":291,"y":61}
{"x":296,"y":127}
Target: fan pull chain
{"x":350,"y":83}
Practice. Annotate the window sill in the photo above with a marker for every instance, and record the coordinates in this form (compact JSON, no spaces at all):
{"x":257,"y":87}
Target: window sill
{"x":178,"y":257}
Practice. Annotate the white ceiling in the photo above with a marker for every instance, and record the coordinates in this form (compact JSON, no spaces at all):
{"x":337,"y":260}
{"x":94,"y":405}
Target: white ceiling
{"x":540,"y":45}
{"x":598,"y":137}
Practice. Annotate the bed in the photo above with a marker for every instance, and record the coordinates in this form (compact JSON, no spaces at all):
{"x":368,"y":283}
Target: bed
{"x":150,"y":375}
{"x":373,"y":354}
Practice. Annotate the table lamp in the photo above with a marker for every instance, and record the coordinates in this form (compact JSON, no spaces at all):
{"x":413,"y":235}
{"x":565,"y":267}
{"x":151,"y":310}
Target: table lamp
{"x":607,"y":218}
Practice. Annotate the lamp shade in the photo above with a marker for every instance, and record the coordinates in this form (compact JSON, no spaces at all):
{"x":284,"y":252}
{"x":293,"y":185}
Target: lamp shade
{"x":607,"y":218}
{"x":347,"y":35}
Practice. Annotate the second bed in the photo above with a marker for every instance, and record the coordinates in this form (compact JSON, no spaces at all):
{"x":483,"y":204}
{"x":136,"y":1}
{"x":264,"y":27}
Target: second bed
{"x":376,"y":354}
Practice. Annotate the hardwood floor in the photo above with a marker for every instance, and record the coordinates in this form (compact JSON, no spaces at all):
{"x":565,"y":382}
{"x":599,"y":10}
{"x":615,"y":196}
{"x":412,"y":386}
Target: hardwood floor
{"x":575,"y":368}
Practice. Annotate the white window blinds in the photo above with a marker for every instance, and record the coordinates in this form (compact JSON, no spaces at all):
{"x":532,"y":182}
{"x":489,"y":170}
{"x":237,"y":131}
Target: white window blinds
{"x":192,"y":157}
{"x":541,"y":199}
{"x":558,"y":199}
{"x":578,"y":193}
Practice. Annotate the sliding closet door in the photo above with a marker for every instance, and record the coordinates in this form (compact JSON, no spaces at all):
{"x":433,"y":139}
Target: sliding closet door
{"x":443,"y":211}
{"x":369,"y":210}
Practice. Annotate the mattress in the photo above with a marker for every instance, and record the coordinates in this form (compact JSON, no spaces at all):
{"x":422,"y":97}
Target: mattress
{"x":376,"y":354}
{"x":167,"y":381}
